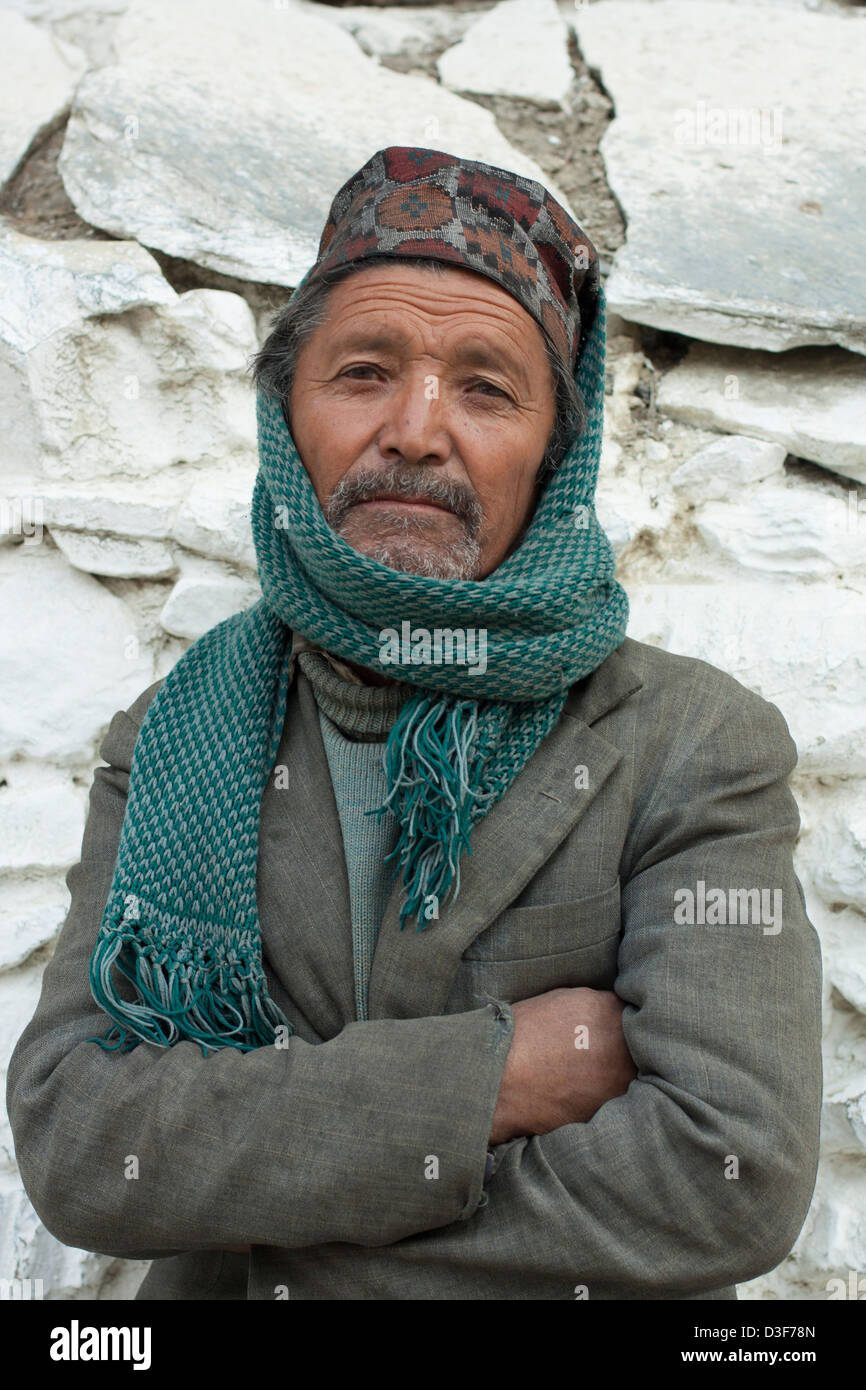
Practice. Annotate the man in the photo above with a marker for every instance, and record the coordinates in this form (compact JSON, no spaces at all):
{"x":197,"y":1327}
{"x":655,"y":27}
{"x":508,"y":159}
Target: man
{"x":572,"y":1048}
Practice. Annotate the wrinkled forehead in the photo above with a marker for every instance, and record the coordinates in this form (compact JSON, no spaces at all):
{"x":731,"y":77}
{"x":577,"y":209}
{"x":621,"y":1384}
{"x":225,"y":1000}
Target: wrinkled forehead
{"x":374,"y":305}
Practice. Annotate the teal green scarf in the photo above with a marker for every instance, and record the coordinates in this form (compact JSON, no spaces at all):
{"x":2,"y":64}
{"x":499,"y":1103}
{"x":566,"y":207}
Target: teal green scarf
{"x":181,"y":921}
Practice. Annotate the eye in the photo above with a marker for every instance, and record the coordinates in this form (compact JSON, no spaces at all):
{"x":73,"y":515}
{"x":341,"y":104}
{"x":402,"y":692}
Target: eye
{"x":360,"y":367}
{"x":491,"y":386}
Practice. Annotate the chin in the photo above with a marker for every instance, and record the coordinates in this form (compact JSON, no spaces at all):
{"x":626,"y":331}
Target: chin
{"x":458,"y":561}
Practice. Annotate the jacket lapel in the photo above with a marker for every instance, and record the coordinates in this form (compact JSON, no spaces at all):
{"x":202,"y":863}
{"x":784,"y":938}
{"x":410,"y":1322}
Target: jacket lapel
{"x":305,"y":913}
{"x":413,"y":971}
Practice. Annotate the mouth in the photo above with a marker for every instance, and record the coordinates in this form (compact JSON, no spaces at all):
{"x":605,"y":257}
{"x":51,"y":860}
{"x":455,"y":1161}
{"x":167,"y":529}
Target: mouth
{"x":421,"y":503}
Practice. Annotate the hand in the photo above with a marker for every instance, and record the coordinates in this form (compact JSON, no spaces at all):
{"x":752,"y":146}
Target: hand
{"x":549,"y":1078}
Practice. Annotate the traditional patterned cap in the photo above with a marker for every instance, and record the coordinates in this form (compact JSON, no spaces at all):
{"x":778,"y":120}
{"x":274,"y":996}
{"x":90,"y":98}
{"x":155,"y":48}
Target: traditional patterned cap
{"x":407,"y":201}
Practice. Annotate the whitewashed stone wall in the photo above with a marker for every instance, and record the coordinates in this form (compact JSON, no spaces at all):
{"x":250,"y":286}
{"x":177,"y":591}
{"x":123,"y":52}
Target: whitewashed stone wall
{"x":151,"y":219}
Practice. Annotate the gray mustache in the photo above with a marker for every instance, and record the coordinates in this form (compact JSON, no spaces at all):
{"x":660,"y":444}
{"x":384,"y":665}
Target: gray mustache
{"x":403,"y":484}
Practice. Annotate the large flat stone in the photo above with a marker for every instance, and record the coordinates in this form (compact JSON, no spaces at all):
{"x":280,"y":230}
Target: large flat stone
{"x":517,"y":49}
{"x":238,"y":173}
{"x":785,"y":528}
{"x":214,"y":519}
{"x":105,"y":370}
{"x":205,"y":595}
{"x":408,"y":29}
{"x":721,"y":469}
{"x":116,"y":506}
{"x":70,"y":654}
{"x":798,"y":645}
{"x":33,"y":909}
{"x":118,"y":558}
{"x":49,"y":287}
{"x":39,"y":77}
{"x":812,"y":401}
{"x":737,"y":157}
{"x":85,"y":23}
{"x":206,"y":510}
{"x":41,"y":818}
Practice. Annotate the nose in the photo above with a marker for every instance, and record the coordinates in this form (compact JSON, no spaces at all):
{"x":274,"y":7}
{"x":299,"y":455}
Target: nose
{"x":415,"y":424}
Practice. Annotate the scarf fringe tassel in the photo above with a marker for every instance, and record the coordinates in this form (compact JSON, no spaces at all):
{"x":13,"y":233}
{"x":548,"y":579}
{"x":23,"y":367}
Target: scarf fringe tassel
{"x":223,"y":1003}
{"x":434,"y":774}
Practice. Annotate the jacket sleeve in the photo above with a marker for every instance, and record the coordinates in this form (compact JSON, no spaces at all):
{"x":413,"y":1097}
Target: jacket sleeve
{"x":288,"y":1146}
{"x":701,"y":1175}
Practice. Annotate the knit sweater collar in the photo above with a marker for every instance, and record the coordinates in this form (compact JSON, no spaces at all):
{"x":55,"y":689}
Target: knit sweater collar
{"x":360,"y":711}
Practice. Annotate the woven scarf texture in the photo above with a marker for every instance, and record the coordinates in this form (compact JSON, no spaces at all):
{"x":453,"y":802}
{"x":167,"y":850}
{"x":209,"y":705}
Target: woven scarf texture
{"x":181,"y":922}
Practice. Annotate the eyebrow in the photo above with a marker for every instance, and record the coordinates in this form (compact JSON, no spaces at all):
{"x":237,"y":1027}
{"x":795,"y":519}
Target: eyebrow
{"x":474,"y":352}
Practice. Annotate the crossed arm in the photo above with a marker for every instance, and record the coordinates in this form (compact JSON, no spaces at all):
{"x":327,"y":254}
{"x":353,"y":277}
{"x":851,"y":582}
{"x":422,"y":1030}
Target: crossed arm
{"x":618,"y":1155}
{"x":547,"y":1081}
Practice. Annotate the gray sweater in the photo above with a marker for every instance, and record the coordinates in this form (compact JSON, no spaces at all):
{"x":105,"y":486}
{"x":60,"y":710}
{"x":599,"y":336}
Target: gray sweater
{"x":355,"y":720}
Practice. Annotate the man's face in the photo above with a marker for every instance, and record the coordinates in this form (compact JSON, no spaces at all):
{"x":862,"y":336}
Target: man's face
{"x":426,"y":386}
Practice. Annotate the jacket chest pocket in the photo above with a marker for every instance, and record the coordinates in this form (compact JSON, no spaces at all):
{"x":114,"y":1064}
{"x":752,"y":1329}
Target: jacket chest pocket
{"x":529,"y":950}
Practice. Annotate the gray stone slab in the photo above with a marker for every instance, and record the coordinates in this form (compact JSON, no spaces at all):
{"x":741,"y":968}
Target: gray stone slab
{"x":517,"y":49}
{"x":98,"y":360}
{"x":224,"y":130}
{"x":812,"y":401}
{"x":39,"y":77}
{"x":737,"y":155}
{"x":796,"y":643}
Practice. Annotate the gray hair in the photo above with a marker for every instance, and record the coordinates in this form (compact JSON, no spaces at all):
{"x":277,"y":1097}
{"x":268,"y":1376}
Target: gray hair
{"x":273,"y":367}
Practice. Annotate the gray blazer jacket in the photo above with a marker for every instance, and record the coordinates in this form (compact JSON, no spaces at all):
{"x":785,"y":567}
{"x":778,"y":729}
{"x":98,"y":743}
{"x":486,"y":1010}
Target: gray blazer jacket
{"x":320,"y":1155}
